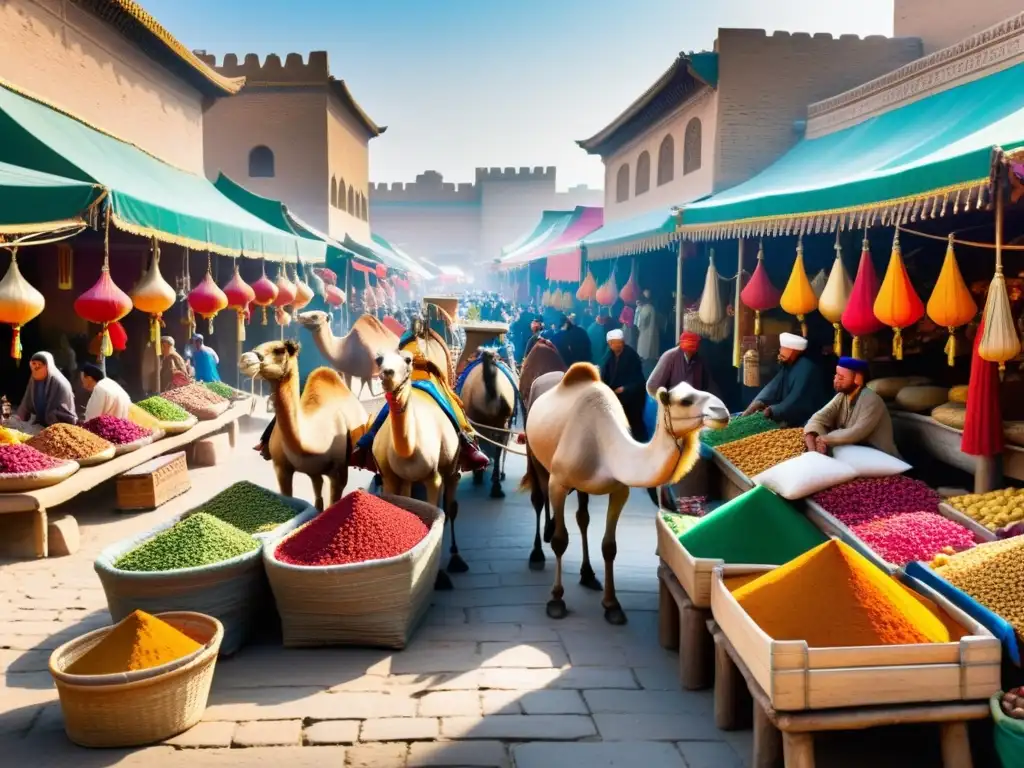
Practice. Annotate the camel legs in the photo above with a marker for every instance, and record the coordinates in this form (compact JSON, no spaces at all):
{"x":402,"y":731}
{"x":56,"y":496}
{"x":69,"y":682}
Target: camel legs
{"x":318,"y":491}
{"x":285,"y":475}
{"x":588,"y":579}
{"x":496,"y":475}
{"x":393,"y":484}
{"x":613,"y":612}
{"x":451,"y":508}
{"x":338,"y":482}
{"x":539,"y":499}
{"x":559,"y":543}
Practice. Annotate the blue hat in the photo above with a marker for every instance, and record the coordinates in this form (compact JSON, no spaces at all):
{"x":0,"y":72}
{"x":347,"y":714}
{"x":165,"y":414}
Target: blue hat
{"x":853,"y":364}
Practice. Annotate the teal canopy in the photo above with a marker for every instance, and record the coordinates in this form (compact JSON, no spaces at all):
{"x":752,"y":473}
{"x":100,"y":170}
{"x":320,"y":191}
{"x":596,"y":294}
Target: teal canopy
{"x":145,"y":196}
{"x":549,"y":227}
{"x":31,"y":201}
{"x":413,"y":265}
{"x":923,"y":153}
{"x":640,"y":234}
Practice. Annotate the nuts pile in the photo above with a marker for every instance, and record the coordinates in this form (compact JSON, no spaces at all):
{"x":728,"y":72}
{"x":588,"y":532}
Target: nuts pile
{"x":64,"y":441}
{"x":194,"y":398}
{"x":993,"y":574}
{"x":1012,"y":703}
{"x":753,"y":455}
{"x":994,"y":509}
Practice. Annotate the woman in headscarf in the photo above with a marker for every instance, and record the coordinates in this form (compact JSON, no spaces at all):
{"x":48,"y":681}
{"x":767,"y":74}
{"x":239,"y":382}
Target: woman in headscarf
{"x":48,"y":398}
{"x":173,"y":369}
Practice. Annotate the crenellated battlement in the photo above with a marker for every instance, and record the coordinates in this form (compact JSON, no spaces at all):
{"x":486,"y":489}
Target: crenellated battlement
{"x":293,"y":71}
{"x":430,"y":186}
{"x":538,"y":173}
{"x":787,"y":37}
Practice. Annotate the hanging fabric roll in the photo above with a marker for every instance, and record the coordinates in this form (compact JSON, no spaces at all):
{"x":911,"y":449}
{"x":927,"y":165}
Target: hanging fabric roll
{"x":859,"y":316}
{"x":897,"y":304}
{"x":835,"y":297}
{"x":951,"y":304}
{"x":759,"y":294}
{"x":799,"y":298}
{"x":711,"y":311}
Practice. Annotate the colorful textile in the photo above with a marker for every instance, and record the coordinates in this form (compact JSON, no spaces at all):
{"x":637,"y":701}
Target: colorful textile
{"x":427,"y":386}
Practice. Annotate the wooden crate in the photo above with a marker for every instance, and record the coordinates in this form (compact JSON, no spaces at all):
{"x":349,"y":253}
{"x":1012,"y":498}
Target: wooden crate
{"x":151,"y":484}
{"x":833,"y":527}
{"x":981,"y":533}
{"x":797,"y":677}
{"x":730,"y":481}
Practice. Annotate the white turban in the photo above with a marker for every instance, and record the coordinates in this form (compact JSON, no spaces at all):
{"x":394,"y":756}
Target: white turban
{"x":792,"y":341}
{"x":616,"y":335}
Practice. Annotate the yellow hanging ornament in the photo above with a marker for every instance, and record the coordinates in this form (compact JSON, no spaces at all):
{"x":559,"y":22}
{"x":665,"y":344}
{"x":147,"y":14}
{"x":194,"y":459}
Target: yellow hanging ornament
{"x":897,"y":304}
{"x":951,"y":304}
{"x":835,"y":297}
{"x":711,"y":311}
{"x":798,"y":298}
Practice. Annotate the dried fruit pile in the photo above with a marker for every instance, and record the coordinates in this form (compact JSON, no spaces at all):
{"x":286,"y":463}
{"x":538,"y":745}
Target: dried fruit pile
{"x":115,"y":430}
{"x":868,"y":498}
{"x":738,"y":428}
{"x":194,"y":398}
{"x":901,"y":539}
{"x":22,"y":459}
{"x":994,"y":509}
{"x":164,"y":410}
{"x":249,"y":508}
{"x":993,"y":574}
{"x":1012,"y":703}
{"x":195,"y":541}
{"x":753,"y":455}
{"x":358,"y":528}
{"x":64,"y":441}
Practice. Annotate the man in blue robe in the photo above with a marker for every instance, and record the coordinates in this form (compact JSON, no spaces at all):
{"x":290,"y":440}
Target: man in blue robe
{"x":797,"y":392}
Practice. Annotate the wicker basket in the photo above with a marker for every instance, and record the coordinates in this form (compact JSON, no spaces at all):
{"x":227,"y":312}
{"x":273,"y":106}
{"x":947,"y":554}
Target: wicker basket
{"x":153,"y":706}
{"x":31,"y":481}
{"x":377,"y":603}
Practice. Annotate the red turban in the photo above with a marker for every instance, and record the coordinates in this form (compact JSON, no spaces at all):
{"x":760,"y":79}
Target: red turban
{"x":689,"y":342}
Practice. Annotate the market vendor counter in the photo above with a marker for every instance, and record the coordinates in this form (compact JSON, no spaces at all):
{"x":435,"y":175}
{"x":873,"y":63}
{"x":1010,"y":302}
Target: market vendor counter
{"x":40,"y":501}
{"x":727,"y":481}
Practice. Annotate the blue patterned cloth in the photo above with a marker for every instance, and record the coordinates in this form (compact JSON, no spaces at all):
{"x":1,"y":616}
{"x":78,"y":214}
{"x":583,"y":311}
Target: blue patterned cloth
{"x":477,"y":361}
{"x":366,"y":441}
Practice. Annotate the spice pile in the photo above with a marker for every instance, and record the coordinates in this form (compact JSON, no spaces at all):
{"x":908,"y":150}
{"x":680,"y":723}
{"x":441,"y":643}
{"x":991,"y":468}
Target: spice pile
{"x":194,"y":398}
{"x":753,"y":455}
{"x":64,"y":441}
{"x":869,"y":498}
{"x":249,"y":508}
{"x":10,"y":436}
{"x":196,"y":541}
{"x":22,"y":460}
{"x":222,"y":389}
{"x":679,"y":523}
{"x":831,"y":596}
{"x":162,"y":409}
{"x":994,"y":509}
{"x":115,"y":430}
{"x":139,"y":641}
{"x":993,"y":574}
{"x":738,"y":428}
{"x":358,"y":528}
{"x":757,"y":527}
{"x":901,"y":539}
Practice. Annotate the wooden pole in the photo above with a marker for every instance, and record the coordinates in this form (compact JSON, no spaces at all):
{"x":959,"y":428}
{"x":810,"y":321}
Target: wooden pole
{"x":988,"y":475}
{"x":737,"y":345}
{"x":680,"y":304}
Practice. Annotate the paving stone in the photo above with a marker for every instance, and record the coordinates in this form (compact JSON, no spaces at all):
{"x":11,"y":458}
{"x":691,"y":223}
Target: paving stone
{"x":598,"y":755}
{"x":460,"y":657}
{"x":501,"y":702}
{"x":480,"y":633}
{"x":523,"y":655}
{"x":654,"y":679}
{"x":287,"y":704}
{"x":268,"y":733}
{"x":386,"y":755}
{"x":571,"y":677}
{"x":332,"y":732}
{"x":655,"y":727}
{"x":554,"y":703}
{"x":450,"y":704}
{"x":466,"y":754}
{"x":649,"y":702}
{"x":709,"y":754}
{"x":205,"y":735}
{"x":257,"y":757}
{"x":400,"y":729}
{"x":270,"y":667}
{"x":518,"y":727}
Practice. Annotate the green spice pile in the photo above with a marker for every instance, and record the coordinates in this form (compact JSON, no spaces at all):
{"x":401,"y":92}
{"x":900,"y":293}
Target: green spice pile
{"x":162,"y":409}
{"x":738,"y":428}
{"x":249,"y":508}
{"x":679,"y":524}
{"x":195,"y":541}
{"x":757,"y":528}
{"x":222,"y":389}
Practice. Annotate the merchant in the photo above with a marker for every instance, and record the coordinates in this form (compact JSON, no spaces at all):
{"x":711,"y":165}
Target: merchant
{"x":204,"y":360}
{"x":107,"y":397}
{"x":683,"y":363}
{"x":796,"y":392}
{"x":536,"y":328}
{"x":173,"y":368}
{"x":48,"y":398}
{"x":622,"y":370}
{"x":855,"y":416}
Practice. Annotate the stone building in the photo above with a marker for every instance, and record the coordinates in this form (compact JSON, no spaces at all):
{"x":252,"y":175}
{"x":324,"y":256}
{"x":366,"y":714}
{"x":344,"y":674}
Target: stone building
{"x":294,"y":133}
{"x":466,"y":224}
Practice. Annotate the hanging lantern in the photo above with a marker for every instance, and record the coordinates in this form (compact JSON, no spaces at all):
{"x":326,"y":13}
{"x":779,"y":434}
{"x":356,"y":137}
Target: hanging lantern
{"x":281,"y":316}
{"x":999,"y":342}
{"x":759,"y":294}
{"x":711,"y":311}
{"x":951,"y":304}
{"x":239,"y":295}
{"x":334,"y":296}
{"x":567,"y":300}
{"x":545,"y":298}
{"x":103,"y":304}
{"x":20,"y":303}
{"x":303,"y":294}
{"x":65,"y":267}
{"x":799,"y":298}
{"x":897,"y":304}
{"x":207,"y":299}
{"x":835,"y":297}
{"x":588,"y":288}
{"x":859,"y":316}
{"x":153,"y":295}
{"x":631,"y":290}
{"x":380,"y":271}
{"x":285,"y":288}
{"x":608,"y":291}
{"x":265,"y":293}
{"x":818,"y":283}
{"x":317,"y":285}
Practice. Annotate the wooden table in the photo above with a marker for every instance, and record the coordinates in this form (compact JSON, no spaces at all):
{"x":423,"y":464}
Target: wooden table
{"x":791,"y":734}
{"x":683,"y":626}
{"x":40,"y":501}
{"x":728,"y":481}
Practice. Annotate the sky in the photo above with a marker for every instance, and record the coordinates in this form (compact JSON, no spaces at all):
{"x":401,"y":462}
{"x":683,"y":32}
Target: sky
{"x":468,"y":83}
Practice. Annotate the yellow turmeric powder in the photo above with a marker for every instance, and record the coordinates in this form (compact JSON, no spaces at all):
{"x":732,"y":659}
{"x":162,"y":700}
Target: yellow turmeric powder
{"x":140,"y":641}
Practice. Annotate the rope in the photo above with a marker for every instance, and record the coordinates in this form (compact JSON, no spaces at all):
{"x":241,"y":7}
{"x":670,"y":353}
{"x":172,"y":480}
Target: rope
{"x":505,"y":447}
{"x":968,"y":243}
{"x":493,"y":429}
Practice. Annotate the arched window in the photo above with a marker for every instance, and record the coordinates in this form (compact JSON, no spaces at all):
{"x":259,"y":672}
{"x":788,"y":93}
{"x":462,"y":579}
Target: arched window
{"x":341,"y":193}
{"x":261,"y":162}
{"x":643,"y":172}
{"x":352,"y":201}
{"x":666,"y":160}
{"x":362,"y":206}
{"x":334,"y":192}
{"x":622,"y":184}
{"x":691,"y":146}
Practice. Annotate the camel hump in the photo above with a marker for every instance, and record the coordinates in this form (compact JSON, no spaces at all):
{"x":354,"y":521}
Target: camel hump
{"x":581,"y":373}
{"x":326,"y":378}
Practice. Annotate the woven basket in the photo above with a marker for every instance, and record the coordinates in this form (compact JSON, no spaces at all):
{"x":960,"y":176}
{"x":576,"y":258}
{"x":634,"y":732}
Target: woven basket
{"x":377,"y":603}
{"x":142,"y":442}
{"x":951,"y":415}
{"x":132,"y":711}
{"x":32,"y":481}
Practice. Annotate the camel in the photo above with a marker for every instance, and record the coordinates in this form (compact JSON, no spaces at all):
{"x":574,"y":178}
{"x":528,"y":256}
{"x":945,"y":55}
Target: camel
{"x":417,"y":443}
{"x":314,"y":432}
{"x":490,"y":398}
{"x":578,"y":438}
{"x":354,"y":353}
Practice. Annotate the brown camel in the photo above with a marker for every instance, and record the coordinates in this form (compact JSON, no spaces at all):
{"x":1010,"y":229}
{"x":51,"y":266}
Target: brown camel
{"x":417,"y":443}
{"x":314,"y":433}
{"x":579,"y":439}
{"x":353,"y":354}
{"x":490,"y":399}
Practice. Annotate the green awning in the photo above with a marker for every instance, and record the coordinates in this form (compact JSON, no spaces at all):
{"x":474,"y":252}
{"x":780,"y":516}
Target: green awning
{"x":145,"y":196}
{"x":413,"y":265}
{"x":539,"y":246}
{"x":923,"y":156}
{"x":334,"y":248}
{"x":643,"y":233}
{"x":31,"y":201}
{"x":551,"y":223}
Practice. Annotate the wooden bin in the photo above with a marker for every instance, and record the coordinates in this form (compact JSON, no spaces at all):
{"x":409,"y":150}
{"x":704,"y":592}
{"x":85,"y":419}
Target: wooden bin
{"x":151,"y":484}
{"x":796,"y":677}
{"x":981,"y":533}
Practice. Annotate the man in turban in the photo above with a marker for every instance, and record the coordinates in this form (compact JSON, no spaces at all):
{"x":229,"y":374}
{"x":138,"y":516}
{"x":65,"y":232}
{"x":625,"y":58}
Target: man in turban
{"x":536,"y":328}
{"x":682,"y":363}
{"x":796,"y":392}
{"x":623,"y":372}
{"x":855,"y":416}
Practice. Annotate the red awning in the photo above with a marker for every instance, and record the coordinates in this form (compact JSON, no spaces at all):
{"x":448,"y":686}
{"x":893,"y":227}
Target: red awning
{"x":564,"y":254}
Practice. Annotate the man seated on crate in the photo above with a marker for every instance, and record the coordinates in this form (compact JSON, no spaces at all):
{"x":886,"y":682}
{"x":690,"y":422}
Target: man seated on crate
{"x":855,"y":416}
{"x":796,"y":392}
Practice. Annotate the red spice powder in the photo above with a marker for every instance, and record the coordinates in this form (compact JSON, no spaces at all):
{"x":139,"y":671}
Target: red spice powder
{"x":358,"y":528}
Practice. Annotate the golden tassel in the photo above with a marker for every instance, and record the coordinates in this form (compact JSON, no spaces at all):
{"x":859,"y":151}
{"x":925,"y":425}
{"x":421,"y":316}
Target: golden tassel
{"x":16,"y":344}
{"x":241,"y":324}
{"x":951,"y":347}
{"x":837,"y":341}
{"x":264,"y":322}
{"x":154,"y":329}
{"x":855,"y":351}
{"x":757,"y":322}
{"x":803,"y":326}
{"x":897,"y":344}
{"x":106,"y":345}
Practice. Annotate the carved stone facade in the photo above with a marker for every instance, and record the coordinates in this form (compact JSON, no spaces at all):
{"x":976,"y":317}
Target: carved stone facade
{"x":942,"y":23}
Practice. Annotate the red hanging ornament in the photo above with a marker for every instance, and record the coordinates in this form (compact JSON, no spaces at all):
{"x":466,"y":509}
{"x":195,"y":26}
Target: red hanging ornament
{"x":303,"y":294}
{"x":859,"y":316}
{"x":207,"y":299}
{"x":631,"y":290}
{"x":265,"y":292}
{"x":588,"y":288}
{"x":118,"y":339}
{"x":759,"y":294}
{"x":103,"y":304}
{"x":335,"y":296}
{"x":285,"y":290}
{"x":239,"y":295}
{"x":381,"y":271}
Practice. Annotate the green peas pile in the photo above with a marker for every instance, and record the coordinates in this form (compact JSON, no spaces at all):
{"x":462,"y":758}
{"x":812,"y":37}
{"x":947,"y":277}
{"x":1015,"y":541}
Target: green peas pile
{"x":162,"y":409}
{"x":222,"y":389}
{"x":249,"y":508}
{"x":738,"y":428}
{"x":195,"y":541}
